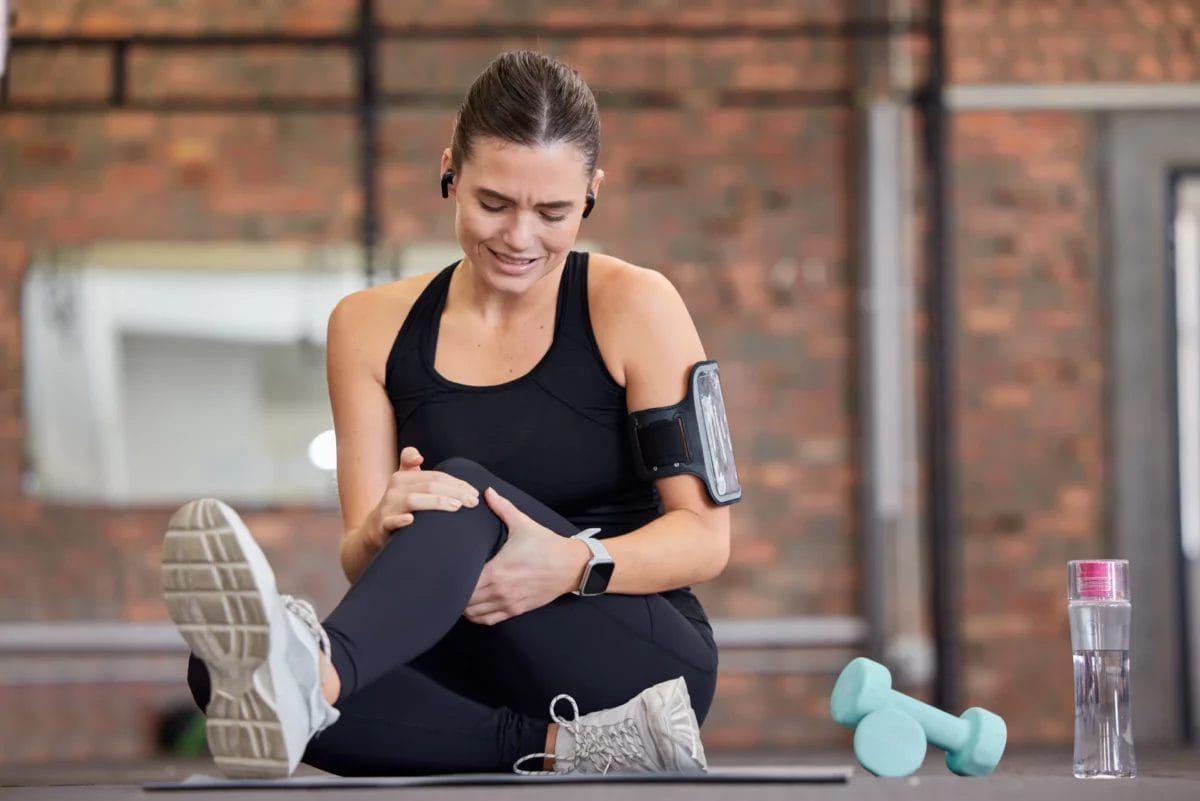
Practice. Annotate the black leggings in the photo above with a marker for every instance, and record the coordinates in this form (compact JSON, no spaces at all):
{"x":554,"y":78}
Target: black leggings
{"x":426,"y":691}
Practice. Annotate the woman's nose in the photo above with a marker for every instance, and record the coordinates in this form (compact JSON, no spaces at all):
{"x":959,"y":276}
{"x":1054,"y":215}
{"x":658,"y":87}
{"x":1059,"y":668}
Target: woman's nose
{"x":518,"y":234}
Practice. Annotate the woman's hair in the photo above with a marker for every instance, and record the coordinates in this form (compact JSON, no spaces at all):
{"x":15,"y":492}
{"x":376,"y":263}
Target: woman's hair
{"x":531,"y":99}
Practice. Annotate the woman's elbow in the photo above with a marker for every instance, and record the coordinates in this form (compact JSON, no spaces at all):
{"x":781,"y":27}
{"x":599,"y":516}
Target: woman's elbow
{"x":719,"y":546}
{"x":350,"y":566}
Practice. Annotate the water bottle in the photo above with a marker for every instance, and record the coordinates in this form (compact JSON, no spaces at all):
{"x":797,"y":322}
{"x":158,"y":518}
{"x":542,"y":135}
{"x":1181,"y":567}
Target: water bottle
{"x":1098,"y":605}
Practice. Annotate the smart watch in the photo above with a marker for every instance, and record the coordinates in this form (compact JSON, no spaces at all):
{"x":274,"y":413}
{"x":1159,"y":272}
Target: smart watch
{"x":599,"y":570}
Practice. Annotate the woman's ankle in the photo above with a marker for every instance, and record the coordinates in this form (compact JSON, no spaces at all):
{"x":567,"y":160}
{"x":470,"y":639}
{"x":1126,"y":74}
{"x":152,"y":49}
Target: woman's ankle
{"x":331,"y":683}
{"x":551,"y":743}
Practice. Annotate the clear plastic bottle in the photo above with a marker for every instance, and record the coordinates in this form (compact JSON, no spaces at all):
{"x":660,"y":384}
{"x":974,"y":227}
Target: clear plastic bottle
{"x":1099,"y":609}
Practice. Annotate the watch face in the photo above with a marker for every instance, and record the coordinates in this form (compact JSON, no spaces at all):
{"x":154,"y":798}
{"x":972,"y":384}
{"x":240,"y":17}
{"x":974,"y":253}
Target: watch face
{"x":597,"y":578}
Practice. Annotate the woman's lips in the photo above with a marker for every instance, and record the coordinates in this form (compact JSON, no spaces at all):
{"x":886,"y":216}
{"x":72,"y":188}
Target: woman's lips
{"x":512,"y":264}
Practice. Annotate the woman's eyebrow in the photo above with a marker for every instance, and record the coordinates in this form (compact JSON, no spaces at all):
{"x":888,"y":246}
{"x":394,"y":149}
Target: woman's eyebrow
{"x":554,"y":205}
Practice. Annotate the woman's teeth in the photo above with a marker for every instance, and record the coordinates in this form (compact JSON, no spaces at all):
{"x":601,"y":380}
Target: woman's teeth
{"x":511,"y":260}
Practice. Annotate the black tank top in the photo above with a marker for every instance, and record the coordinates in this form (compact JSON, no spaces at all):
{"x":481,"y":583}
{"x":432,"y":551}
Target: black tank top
{"x":558,"y":432}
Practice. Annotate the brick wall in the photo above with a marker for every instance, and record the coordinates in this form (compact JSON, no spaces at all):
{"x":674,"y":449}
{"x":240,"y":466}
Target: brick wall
{"x":1027,"y":41}
{"x":721,"y":176}
{"x":1031,"y":403}
{"x":1031,"y":339}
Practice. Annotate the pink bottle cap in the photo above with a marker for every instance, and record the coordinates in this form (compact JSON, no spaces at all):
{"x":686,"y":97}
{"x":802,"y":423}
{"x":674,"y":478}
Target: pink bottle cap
{"x":1098,"y":580}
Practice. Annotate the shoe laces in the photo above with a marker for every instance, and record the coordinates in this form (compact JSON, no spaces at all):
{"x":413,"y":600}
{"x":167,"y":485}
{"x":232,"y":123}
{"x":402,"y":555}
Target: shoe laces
{"x":600,"y":747}
{"x":307,"y":615}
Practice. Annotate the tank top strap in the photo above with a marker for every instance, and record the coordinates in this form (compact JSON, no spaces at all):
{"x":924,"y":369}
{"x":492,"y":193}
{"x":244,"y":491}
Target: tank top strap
{"x":577,"y":318}
{"x":573,"y":308}
{"x":417,"y":335}
{"x":426,"y":314}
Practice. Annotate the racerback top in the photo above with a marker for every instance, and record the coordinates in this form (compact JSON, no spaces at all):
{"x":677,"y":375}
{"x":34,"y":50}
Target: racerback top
{"x":558,"y":432}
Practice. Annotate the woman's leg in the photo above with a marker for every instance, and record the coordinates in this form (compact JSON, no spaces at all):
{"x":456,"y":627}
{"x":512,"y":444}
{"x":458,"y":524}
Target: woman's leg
{"x":602,"y":649}
{"x":408,"y":723}
{"x":412,"y":595}
{"x":415,"y":589}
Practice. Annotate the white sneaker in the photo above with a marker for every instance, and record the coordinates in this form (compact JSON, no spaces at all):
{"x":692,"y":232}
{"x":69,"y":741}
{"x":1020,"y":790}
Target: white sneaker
{"x":654,"y":732}
{"x":262,"y":649}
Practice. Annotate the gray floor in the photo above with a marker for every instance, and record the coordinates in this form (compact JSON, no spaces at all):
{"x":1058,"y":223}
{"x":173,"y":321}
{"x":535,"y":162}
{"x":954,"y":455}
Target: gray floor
{"x":1025,"y":776}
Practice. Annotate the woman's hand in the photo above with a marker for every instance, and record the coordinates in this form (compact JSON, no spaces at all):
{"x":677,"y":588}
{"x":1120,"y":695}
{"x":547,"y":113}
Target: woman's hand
{"x":533,"y":567}
{"x":411,"y":489}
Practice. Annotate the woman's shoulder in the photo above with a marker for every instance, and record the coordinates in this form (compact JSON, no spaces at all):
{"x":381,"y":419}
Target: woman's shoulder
{"x":618,"y":281}
{"x":366,"y":321}
{"x":635,"y":311}
{"x":387,"y":303}
{"x":621,"y":292}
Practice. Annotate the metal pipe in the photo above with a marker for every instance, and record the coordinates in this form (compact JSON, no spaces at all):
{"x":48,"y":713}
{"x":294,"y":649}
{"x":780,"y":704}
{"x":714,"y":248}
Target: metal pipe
{"x":118,"y":81}
{"x":865,"y":66}
{"x":941,"y":504}
{"x":368,"y":127}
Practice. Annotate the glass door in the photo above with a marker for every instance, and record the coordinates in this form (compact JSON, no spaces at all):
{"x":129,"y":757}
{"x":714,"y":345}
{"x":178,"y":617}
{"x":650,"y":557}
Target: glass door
{"x":1186,"y":263}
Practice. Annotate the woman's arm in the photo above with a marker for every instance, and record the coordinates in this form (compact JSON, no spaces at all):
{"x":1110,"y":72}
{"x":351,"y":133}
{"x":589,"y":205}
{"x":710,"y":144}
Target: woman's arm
{"x":650,"y":342}
{"x":362,"y":419}
{"x":379,"y":489}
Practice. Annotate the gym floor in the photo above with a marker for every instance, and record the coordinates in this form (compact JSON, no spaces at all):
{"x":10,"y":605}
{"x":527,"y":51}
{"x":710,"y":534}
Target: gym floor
{"x":1026,"y":776}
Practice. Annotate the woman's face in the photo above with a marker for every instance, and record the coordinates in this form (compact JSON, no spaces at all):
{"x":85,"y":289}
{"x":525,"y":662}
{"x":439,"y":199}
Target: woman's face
{"x":518,"y":209}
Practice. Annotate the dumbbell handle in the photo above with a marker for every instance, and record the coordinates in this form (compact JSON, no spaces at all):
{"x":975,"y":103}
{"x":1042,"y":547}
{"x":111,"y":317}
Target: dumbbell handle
{"x":941,"y":728}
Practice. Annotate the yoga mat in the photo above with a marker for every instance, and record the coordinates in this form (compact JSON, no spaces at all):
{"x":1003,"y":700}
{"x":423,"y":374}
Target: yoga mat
{"x":747,"y":774}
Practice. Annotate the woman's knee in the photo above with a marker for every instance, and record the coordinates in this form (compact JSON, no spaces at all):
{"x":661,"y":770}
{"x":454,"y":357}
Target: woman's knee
{"x":468,"y":470}
{"x":481,"y":478}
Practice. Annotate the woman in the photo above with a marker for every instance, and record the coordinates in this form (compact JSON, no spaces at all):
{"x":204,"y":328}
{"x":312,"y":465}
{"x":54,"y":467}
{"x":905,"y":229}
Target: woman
{"x":473,"y":445}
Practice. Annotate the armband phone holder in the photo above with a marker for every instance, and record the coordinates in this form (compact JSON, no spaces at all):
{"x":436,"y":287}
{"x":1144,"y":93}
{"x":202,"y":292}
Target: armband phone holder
{"x":690,"y":437}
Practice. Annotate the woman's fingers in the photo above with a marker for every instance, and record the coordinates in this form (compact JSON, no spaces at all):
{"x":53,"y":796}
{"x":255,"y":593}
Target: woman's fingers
{"x":422,"y":502}
{"x":505,"y":509}
{"x":448,"y":485}
{"x":410,"y":458}
{"x":432,"y":482}
{"x":487,"y":613}
{"x":415,"y":490}
{"x":428,"y":501}
{"x":394,"y":521}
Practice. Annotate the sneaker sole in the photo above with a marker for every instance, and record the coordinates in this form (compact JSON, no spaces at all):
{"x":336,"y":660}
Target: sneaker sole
{"x":215,"y":595}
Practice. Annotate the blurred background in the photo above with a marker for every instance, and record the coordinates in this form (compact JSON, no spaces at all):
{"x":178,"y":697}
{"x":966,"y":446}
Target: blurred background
{"x":947,"y":253}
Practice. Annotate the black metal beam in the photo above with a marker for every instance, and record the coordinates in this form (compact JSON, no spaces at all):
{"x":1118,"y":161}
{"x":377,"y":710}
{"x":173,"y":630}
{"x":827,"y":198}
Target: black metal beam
{"x":30,"y":41}
{"x":417,"y":32}
{"x":368,"y":30}
{"x":117,"y":84}
{"x":666,"y":30}
{"x":368,"y":133}
{"x":205,"y":105}
{"x":940,"y":435}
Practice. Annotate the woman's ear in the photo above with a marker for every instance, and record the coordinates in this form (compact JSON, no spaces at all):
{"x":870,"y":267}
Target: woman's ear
{"x":447,"y":173}
{"x":589,"y":201}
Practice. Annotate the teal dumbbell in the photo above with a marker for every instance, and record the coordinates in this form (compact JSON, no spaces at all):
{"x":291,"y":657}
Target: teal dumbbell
{"x":973,"y":742}
{"x":889,"y":743}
